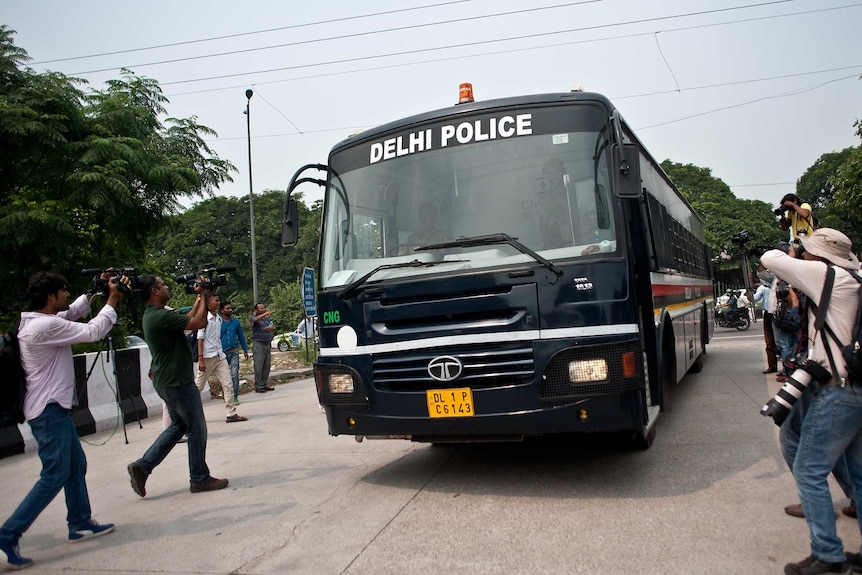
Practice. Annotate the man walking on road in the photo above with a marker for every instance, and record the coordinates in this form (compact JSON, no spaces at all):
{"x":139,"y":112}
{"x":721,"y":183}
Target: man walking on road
{"x":174,"y":381}
{"x":45,"y":336}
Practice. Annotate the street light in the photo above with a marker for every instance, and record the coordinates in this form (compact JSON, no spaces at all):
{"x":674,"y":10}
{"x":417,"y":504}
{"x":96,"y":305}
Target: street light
{"x":248,"y":94}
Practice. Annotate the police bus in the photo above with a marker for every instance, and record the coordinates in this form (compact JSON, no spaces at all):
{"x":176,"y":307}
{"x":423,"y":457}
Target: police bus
{"x":501,"y":269}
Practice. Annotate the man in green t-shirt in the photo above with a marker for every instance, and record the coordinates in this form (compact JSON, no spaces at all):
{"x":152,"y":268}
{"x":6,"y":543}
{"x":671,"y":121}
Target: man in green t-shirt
{"x":174,"y":381}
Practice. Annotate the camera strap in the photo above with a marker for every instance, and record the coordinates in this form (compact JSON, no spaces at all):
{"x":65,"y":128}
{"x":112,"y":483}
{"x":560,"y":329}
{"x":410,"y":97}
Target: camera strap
{"x":820,"y":319}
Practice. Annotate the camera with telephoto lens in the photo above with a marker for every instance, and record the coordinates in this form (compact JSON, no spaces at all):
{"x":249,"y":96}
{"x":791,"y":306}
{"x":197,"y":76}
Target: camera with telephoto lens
{"x":740,"y":238}
{"x":100,"y":285}
{"x":782,"y":290}
{"x":779,"y":406}
{"x":210,"y":277}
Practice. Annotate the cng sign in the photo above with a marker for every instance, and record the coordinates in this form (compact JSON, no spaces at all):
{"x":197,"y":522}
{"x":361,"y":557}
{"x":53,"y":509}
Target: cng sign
{"x":308,"y":292}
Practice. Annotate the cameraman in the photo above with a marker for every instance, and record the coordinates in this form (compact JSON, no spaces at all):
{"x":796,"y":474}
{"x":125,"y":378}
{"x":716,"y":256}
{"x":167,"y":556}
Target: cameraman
{"x":832,"y":425}
{"x":45,"y":335}
{"x":174,"y":381}
{"x":796,"y":216}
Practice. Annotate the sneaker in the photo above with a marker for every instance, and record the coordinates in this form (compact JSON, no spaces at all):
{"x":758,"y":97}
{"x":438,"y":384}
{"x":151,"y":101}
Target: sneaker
{"x":90,"y":530}
{"x":236,"y":402}
{"x":269,"y":388}
{"x":139,"y":478}
{"x":850,"y":511}
{"x":211,"y":484}
{"x":795,"y":510}
{"x":855,"y":562}
{"x":13,"y":557}
{"x":811,"y":565}
{"x":233,"y":418}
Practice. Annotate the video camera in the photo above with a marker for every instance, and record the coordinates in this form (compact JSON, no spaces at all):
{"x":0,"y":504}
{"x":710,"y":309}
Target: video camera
{"x":740,"y":238}
{"x":210,"y":277}
{"x":100,"y":286}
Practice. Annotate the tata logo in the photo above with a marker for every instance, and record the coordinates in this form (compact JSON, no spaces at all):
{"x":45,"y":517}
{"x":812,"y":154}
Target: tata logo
{"x":445,"y":368}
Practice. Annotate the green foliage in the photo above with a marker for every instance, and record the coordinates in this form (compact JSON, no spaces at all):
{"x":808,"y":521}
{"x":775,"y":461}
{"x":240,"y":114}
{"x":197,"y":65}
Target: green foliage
{"x":217,"y":230}
{"x":86,"y":178}
{"x":847,"y":180}
{"x":723,"y":213}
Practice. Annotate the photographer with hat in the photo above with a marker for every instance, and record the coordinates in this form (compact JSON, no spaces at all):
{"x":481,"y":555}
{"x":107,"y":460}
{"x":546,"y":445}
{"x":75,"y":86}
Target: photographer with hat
{"x":832,"y":425}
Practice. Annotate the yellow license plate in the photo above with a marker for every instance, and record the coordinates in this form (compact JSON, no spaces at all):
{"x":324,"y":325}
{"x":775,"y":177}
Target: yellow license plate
{"x":450,"y":402}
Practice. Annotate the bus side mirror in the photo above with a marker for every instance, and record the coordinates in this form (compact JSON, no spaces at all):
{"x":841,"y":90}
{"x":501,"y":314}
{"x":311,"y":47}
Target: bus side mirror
{"x":628,"y":174}
{"x":289,"y":224}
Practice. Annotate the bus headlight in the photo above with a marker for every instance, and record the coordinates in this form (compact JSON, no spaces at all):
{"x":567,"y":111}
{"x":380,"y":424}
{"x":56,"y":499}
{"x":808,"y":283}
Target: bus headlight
{"x":340,"y":383}
{"x":588,"y":370}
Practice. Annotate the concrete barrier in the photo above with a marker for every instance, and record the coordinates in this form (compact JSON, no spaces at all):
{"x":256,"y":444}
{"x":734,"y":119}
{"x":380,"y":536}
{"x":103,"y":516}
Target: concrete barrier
{"x":107,"y":387}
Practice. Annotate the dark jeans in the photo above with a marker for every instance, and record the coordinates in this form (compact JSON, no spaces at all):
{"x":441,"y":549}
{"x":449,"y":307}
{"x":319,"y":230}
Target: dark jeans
{"x":187,"y":416}
{"x":769,"y":338}
{"x":262,"y":363}
{"x":63,"y":467}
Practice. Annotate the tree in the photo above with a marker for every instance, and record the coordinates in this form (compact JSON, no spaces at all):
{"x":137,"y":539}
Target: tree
{"x":85,"y":178}
{"x":723,"y":213}
{"x":848,"y":192}
{"x":217,"y":230}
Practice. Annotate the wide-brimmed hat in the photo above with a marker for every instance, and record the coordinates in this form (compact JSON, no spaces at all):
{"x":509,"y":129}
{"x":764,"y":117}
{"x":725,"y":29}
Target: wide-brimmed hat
{"x":831,"y":245}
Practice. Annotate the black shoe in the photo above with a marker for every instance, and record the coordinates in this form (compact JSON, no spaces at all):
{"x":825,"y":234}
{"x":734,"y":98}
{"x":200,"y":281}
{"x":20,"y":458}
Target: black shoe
{"x":811,"y":565}
{"x":211,"y":484}
{"x":269,"y":388}
{"x":771,"y":370}
{"x":855,"y":562}
{"x":260,"y":390}
{"x":139,"y":479}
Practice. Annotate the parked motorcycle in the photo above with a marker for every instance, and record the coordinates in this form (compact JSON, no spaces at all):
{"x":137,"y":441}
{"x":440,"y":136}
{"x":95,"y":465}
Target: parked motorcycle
{"x":738,"y":320}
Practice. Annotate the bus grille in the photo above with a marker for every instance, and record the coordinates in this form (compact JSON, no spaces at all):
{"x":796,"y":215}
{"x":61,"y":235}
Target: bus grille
{"x":556,"y":384}
{"x":484,"y":367}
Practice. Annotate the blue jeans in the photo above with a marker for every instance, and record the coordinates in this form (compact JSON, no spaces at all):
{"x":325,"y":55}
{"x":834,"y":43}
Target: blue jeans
{"x":232,"y":358}
{"x":832,"y":427}
{"x":187,"y":416}
{"x":63,"y":467}
{"x":787,"y":343}
{"x":788,"y":436}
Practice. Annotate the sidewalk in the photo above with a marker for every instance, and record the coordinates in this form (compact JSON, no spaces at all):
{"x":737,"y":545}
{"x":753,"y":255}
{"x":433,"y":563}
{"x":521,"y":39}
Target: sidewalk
{"x":172,"y":530}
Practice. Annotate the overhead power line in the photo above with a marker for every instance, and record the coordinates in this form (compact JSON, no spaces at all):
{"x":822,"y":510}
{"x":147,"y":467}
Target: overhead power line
{"x":342,"y":37}
{"x":254,"y":32}
{"x":473,"y":44}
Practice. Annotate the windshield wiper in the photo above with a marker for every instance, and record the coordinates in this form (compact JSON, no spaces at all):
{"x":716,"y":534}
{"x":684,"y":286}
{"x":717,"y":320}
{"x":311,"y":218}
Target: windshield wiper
{"x":354,"y":288}
{"x":465,"y":242}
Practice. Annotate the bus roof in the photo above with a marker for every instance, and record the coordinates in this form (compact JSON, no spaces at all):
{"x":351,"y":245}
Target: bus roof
{"x":472,"y":107}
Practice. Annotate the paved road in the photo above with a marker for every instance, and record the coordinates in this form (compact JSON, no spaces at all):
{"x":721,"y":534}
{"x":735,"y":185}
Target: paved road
{"x":706,"y":498}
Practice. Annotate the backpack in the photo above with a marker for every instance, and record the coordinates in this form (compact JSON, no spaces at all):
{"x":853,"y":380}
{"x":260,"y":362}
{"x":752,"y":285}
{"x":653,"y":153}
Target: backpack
{"x":192,"y":339}
{"x":13,"y":384}
{"x":786,"y":319}
{"x":851,"y":352}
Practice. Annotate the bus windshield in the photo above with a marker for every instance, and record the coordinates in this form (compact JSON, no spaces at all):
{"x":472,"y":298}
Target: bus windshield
{"x":546,"y":185}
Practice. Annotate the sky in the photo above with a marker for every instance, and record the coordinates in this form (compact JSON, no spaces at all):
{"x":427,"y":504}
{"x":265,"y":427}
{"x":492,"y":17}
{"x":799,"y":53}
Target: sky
{"x":756,"y":91}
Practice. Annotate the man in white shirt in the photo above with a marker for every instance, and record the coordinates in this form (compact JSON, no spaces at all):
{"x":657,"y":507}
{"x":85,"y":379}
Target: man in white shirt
{"x":45,"y":336}
{"x":212,"y":360}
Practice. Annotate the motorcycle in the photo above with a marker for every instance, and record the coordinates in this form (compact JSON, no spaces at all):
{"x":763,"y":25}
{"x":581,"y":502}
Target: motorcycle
{"x":738,"y":319}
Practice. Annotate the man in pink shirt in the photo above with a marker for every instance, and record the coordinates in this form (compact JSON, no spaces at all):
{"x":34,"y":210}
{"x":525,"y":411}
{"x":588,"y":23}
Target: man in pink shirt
{"x":45,"y":336}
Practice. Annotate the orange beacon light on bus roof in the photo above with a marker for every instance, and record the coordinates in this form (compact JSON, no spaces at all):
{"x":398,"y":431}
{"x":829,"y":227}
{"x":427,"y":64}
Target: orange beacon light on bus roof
{"x":465,"y":93}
